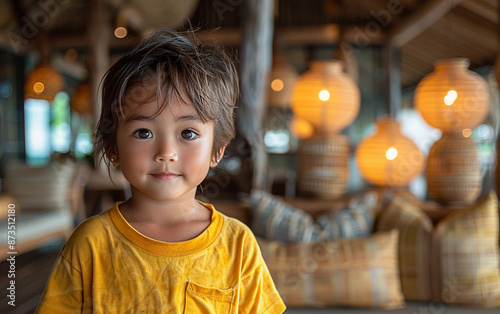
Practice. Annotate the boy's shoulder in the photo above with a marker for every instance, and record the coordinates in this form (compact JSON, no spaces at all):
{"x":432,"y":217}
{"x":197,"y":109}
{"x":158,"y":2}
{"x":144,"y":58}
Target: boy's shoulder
{"x":233,"y":222}
{"x":94,"y":227}
{"x":95,"y":223}
{"x":236,"y":228}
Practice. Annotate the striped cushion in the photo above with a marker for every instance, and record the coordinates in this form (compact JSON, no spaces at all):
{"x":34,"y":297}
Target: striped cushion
{"x":460,"y":255}
{"x":352,"y":220}
{"x":467,"y":253}
{"x":415,"y":237}
{"x":349,"y":272}
{"x":274,"y":219}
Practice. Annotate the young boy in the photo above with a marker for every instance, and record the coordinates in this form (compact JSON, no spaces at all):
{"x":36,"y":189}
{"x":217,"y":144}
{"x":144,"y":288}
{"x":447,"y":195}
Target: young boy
{"x":167,"y":116}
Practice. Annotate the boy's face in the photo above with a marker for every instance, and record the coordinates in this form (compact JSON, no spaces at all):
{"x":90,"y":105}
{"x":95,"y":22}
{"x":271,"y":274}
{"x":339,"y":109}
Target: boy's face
{"x":167,"y":156}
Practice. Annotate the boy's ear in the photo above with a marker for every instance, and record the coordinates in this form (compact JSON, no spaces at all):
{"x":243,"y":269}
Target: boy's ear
{"x":217,"y":157}
{"x":113,"y":158}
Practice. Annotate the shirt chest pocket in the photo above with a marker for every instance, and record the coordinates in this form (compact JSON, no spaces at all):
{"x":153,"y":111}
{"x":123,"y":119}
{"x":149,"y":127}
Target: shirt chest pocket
{"x":201,"y":299}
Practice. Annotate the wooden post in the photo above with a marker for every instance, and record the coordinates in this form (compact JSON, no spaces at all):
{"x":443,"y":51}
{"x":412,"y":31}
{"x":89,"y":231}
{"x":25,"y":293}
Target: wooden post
{"x":255,"y":64}
{"x":99,"y":33}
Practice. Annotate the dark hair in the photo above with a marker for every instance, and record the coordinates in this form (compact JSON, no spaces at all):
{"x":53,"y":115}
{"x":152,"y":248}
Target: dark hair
{"x":180,"y":65}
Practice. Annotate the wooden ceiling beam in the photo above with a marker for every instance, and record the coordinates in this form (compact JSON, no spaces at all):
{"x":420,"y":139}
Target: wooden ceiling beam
{"x":482,"y":9}
{"x":309,"y":35}
{"x":476,"y":19}
{"x":478,"y":41}
{"x":476,"y":35}
{"x":420,"y":20}
{"x":76,"y":42}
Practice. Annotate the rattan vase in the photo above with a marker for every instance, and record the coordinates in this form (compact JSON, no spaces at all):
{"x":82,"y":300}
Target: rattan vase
{"x":453,"y":172}
{"x":323,"y":169}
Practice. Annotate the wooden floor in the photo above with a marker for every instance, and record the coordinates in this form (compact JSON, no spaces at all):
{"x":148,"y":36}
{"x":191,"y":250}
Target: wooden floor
{"x":32,"y":271}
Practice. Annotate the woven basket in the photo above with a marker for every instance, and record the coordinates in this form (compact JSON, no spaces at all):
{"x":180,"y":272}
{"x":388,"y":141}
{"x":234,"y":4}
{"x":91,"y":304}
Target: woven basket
{"x":323,"y":169}
{"x":453,"y":172}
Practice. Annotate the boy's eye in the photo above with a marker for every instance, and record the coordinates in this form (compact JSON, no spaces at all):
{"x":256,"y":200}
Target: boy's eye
{"x":143,"y":134}
{"x":188,"y":134}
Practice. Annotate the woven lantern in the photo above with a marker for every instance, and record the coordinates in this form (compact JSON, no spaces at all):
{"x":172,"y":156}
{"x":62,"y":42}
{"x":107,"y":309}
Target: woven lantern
{"x":453,"y":173}
{"x":329,"y":99}
{"x":326,"y":97}
{"x":388,"y":158}
{"x":81,"y":101}
{"x":282,"y":80}
{"x":43,"y":83}
{"x":452,"y":97}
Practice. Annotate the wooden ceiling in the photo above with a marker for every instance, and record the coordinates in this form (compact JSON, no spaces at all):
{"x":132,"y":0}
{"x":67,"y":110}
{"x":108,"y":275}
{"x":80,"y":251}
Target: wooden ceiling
{"x":423,"y":30}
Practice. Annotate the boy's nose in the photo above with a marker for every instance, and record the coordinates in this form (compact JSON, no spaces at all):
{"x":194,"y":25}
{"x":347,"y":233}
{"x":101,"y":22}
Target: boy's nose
{"x":166,"y":152}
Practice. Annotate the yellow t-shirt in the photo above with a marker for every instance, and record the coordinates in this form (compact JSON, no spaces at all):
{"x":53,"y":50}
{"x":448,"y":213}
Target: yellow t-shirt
{"x":108,"y":267}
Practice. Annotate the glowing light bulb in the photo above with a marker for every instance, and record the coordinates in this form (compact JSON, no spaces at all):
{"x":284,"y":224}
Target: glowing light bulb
{"x":450,"y":98}
{"x":277,"y":85}
{"x":324,"y":95}
{"x":120,"y":32}
{"x":467,"y":132}
{"x":391,"y":153}
{"x":38,"y":87}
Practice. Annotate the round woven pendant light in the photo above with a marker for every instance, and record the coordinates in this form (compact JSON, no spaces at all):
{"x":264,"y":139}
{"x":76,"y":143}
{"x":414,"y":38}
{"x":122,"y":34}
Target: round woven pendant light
{"x":452,"y":97}
{"x":43,"y":83}
{"x":388,"y":158}
{"x":326,"y":97}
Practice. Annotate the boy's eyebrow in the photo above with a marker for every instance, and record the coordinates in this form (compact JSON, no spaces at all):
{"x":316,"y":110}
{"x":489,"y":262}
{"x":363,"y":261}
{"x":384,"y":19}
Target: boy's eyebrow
{"x":189,"y":117}
{"x":139,"y":117}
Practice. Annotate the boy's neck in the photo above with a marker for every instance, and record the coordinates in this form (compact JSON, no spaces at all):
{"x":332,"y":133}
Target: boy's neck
{"x":167,"y":221}
{"x":141,"y":209}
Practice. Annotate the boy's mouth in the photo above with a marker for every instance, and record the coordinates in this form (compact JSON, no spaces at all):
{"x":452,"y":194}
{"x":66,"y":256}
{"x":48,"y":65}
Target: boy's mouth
{"x":165,"y":175}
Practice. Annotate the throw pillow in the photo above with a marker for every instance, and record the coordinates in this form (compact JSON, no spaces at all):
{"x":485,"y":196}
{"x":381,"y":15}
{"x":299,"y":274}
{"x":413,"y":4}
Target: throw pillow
{"x":352,"y":220}
{"x":274,"y":219}
{"x":460,"y":254}
{"x":359,"y":272}
{"x":467,"y":255}
{"x":414,"y":248}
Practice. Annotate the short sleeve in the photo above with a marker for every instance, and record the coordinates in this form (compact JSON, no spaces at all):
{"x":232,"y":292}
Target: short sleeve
{"x":69,"y":287}
{"x":258,"y":293}
{"x":64,"y":290}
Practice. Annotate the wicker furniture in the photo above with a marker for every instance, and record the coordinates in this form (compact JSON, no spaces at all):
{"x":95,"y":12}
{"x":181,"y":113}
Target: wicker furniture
{"x":49,"y":202}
